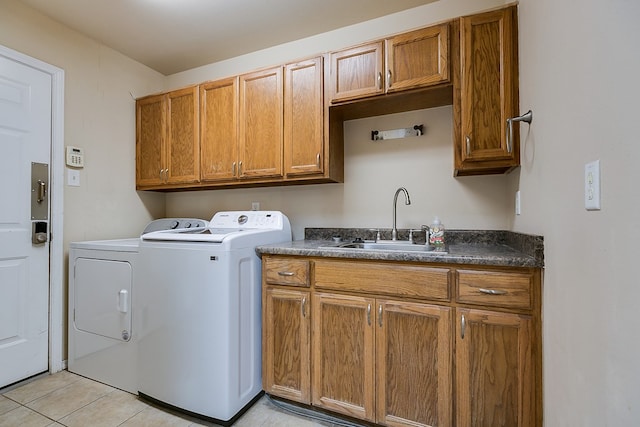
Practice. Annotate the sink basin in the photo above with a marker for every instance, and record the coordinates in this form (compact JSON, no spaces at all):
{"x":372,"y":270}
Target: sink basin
{"x":392,"y":246}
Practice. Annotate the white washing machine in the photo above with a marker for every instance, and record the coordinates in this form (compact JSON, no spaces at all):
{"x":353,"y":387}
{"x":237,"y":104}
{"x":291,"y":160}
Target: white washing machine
{"x":200,"y":298}
{"x":102,"y":313}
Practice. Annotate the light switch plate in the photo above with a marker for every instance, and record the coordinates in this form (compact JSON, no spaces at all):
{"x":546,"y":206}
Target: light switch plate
{"x":73,"y":178}
{"x":592,"y":186}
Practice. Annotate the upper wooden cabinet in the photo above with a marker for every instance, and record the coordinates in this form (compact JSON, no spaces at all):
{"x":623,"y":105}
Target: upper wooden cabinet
{"x":167,"y":139}
{"x":406,"y":61}
{"x":150,"y":140}
{"x":486,"y":93}
{"x":304,"y":139}
{"x":357,"y":72}
{"x":418,"y":59}
{"x":219,"y":130}
{"x":261,"y":124}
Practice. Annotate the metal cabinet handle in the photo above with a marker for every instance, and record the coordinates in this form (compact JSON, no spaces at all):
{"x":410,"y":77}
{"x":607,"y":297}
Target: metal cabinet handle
{"x":526,"y":117}
{"x":509,"y":136}
{"x":239,"y":168}
{"x":468,"y":140}
{"x":369,"y":314}
{"x":463,"y":326}
{"x":493,"y":291}
{"x":318,"y":160}
{"x":379,"y":81}
{"x":380,"y":315}
{"x":233,"y":169}
{"x":388,"y":78}
{"x":286,"y":273}
{"x":304,"y":305}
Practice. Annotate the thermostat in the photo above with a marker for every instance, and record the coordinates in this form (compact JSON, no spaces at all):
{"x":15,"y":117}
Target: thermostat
{"x":75,"y":157}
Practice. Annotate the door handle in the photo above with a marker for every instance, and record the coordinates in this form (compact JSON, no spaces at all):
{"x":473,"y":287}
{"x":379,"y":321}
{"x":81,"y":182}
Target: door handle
{"x":42,"y":191}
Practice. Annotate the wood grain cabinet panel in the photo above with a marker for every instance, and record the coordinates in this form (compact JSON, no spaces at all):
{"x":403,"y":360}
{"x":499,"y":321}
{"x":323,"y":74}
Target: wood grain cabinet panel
{"x":183,"y":142}
{"x":261,"y":121}
{"x":168,"y":139}
{"x":495,"y":289}
{"x":343,"y":355}
{"x":286,"y":271}
{"x":219,"y":130}
{"x":418,"y":58}
{"x":357,"y":72}
{"x":380,"y":278}
{"x":494,"y":369}
{"x":304,"y":118}
{"x":413,"y":364}
{"x":488,"y":93}
{"x":150,"y":140}
{"x":286,"y":333}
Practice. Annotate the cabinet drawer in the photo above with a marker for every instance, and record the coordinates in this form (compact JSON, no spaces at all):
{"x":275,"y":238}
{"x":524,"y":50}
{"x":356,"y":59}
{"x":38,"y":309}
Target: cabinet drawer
{"x":387,"y":279}
{"x":286,"y":271}
{"x":488,"y":288}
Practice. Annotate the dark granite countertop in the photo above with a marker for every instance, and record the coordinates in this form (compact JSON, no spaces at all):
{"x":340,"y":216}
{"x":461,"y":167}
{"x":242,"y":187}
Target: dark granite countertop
{"x":494,"y":248}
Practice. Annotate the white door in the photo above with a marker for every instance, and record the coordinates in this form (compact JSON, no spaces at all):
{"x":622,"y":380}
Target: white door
{"x":25,"y":138}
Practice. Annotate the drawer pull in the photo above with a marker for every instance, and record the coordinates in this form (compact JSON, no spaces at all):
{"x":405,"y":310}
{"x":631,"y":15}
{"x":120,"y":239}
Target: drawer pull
{"x":463,"y":326}
{"x":492,"y":291}
{"x":303,"y":307}
{"x":369,"y":314}
{"x":286,"y":273}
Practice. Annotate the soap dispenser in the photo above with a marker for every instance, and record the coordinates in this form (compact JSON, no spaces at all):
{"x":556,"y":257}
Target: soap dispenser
{"x":436,"y":233}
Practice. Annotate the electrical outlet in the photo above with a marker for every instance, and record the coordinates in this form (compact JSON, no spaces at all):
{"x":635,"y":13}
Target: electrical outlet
{"x":518,"y":202}
{"x":592,"y":186}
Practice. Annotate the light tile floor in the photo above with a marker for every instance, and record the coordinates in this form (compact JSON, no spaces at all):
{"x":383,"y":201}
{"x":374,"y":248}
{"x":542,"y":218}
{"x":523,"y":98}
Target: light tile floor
{"x":67,"y":399}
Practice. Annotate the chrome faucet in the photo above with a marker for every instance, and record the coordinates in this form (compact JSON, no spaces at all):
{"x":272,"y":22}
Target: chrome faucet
{"x":407,"y":201}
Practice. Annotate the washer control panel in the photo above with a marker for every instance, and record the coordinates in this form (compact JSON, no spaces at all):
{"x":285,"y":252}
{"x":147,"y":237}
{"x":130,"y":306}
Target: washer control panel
{"x":174,"y":223}
{"x":247,"y":220}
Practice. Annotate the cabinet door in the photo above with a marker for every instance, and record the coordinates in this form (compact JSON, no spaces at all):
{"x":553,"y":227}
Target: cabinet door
{"x":357,"y":72}
{"x":219,"y":130}
{"x":303,"y":118}
{"x":343,"y":354}
{"x":494,"y":369}
{"x":261,"y":124}
{"x":150,"y":140}
{"x":414,"y":364}
{"x":418,"y":59}
{"x":286,"y":346}
{"x":489,"y":91}
{"x":183,"y":137}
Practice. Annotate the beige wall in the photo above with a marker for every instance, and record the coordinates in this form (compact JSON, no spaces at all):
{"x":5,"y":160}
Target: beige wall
{"x":99,"y":116}
{"x":579,"y":68}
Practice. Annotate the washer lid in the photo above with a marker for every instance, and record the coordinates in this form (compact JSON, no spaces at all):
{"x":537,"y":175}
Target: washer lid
{"x":211,"y":235}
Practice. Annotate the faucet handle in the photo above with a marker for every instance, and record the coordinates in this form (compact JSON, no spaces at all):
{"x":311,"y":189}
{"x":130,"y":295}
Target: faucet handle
{"x":426,"y":230}
{"x":377,"y":230}
{"x":411,"y":235}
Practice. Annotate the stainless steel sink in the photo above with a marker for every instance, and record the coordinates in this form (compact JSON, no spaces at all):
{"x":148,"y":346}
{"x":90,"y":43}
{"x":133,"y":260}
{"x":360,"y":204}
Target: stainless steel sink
{"x":392,"y":246}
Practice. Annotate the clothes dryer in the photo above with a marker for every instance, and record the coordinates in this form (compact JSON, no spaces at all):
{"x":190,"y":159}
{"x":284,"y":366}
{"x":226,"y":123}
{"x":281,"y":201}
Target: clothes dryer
{"x":102,"y":313}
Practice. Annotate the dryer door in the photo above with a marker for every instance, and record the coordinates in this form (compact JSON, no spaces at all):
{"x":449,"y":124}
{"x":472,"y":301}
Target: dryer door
{"x":103,"y":297}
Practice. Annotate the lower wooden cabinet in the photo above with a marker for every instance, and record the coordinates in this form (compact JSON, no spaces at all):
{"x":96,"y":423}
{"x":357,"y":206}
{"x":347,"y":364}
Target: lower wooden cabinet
{"x":494,"y":369}
{"x":393,"y":344}
{"x":343,"y":355}
{"x":286,"y":335}
{"x":413,"y":364}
